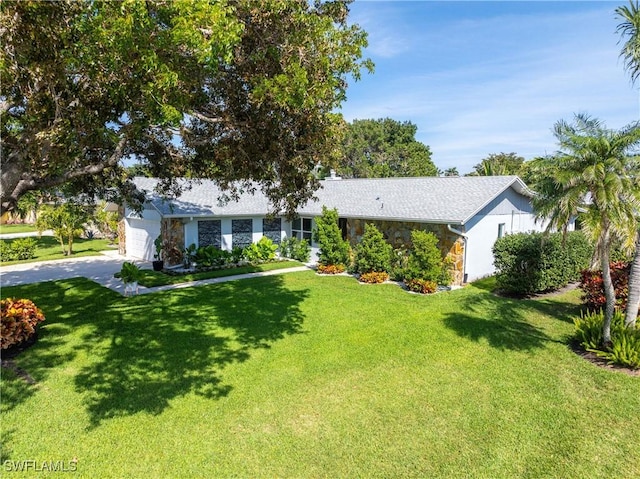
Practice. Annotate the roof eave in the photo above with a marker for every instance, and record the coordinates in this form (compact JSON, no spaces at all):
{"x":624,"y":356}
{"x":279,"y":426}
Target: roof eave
{"x":517,"y":184}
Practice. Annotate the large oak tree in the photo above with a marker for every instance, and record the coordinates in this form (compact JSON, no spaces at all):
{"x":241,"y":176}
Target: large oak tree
{"x":242,"y":92}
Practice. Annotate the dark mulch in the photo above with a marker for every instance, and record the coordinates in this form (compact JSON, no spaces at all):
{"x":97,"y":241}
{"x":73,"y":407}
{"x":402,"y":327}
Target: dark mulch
{"x":601,"y":362}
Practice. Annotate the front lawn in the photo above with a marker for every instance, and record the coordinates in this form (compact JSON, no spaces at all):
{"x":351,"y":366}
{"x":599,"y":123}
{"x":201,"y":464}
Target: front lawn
{"x":152,"y":278}
{"x":300,"y":375}
{"x":49,"y":249}
{"x":18,"y":228}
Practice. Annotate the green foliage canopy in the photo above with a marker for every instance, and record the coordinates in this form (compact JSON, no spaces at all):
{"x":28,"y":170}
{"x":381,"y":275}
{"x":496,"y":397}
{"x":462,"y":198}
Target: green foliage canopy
{"x":383,"y":148}
{"x":241,"y":92}
{"x":499,"y":164}
{"x":66,"y":220}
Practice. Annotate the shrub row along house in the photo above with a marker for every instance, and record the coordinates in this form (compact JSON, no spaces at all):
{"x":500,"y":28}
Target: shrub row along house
{"x":467,"y":214}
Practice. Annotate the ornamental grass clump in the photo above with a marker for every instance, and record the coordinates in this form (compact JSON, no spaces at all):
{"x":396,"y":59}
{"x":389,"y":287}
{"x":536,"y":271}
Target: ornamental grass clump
{"x":20,"y":318}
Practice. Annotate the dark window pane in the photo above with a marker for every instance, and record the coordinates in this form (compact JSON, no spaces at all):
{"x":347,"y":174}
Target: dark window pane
{"x":210,"y":233}
{"x":241,"y":233}
{"x":272,"y":229}
{"x":306,"y":224}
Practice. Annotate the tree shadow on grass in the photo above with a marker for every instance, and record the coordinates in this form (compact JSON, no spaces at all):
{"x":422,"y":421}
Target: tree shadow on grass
{"x":67,"y":305}
{"x":507,"y":324}
{"x":151,"y":349}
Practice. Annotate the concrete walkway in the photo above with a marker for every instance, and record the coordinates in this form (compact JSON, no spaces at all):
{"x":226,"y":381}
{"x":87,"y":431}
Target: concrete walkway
{"x":29,"y":234}
{"x":101,"y":270}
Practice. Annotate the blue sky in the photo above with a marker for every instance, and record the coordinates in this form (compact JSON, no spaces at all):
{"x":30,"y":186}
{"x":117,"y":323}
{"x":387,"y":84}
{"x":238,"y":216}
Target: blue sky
{"x":482,"y":77}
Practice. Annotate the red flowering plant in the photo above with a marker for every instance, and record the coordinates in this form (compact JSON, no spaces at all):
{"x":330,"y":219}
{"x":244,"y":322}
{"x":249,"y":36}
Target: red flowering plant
{"x":20,"y":317}
{"x":592,"y":286}
{"x":330,"y":268}
{"x":422,"y":286}
{"x":374,"y":277}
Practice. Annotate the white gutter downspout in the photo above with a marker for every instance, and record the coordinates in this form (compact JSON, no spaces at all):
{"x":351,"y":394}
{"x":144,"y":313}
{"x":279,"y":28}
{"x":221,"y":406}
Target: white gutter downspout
{"x":464,"y":256}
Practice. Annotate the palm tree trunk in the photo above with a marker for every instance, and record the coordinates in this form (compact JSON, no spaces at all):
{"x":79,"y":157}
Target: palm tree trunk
{"x":633,"y":300}
{"x":609,"y":291}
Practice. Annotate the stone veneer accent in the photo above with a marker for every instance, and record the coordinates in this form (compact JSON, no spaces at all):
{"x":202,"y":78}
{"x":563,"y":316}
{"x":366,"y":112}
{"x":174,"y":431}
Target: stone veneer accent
{"x":172,"y":231}
{"x":398,"y":234}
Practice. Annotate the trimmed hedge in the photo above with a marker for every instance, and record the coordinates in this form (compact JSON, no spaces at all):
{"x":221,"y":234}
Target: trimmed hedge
{"x":533,"y":262}
{"x":18,"y":249}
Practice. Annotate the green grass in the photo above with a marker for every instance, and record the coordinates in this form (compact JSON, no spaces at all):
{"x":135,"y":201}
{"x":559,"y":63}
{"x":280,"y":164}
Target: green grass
{"x":306,"y":376}
{"x":152,"y":278}
{"x":49,"y":249}
{"x":18,"y":228}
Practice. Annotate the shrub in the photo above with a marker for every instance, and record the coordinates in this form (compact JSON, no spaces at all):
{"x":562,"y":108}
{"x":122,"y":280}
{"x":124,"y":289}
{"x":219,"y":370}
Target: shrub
{"x":208,"y":256}
{"x":399,"y":263}
{"x":263,"y":250}
{"x":374,"y":277}
{"x":333,"y":249}
{"x":6,"y":253}
{"x":532,"y":262}
{"x":20,"y":318}
{"x":373,"y":253}
{"x":295,"y":248}
{"x":425,"y":260}
{"x":24,"y":248}
{"x":625,"y":347}
{"x":130,"y":273}
{"x":421,"y":286}
{"x":592,"y":286}
{"x":330,"y":268}
{"x":18,"y":249}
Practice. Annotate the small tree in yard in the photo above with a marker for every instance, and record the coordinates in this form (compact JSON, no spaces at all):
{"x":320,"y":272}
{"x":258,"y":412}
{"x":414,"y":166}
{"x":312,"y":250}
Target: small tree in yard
{"x":333,"y":249}
{"x":66,"y":221}
{"x":373,"y":253}
{"x":106,"y":222}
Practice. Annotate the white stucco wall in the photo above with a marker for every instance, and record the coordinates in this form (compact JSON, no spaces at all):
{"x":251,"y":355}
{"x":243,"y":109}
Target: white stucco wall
{"x":191,"y":230}
{"x":509,"y":209}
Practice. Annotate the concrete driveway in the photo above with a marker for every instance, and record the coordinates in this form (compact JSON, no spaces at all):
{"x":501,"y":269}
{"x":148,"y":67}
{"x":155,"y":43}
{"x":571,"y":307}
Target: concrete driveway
{"x":101,"y":269}
{"x":97,"y":268}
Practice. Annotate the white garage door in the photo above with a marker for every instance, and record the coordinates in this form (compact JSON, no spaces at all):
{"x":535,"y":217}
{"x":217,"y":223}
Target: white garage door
{"x":140,"y":235}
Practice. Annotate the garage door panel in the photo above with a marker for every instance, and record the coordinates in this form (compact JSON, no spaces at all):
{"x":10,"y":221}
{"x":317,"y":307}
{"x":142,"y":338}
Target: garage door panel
{"x":140,"y":237}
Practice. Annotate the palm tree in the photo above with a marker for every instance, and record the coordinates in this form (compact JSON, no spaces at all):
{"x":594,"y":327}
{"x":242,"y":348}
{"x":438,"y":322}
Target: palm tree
{"x":592,"y":172}
{"x":630,"y":28}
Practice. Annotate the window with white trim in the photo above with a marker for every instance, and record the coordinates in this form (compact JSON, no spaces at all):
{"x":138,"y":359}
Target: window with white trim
{"x":301,"y":228}
{"x":501,"y":230}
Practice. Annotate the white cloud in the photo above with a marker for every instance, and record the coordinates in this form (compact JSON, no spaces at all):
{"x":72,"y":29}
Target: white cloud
{"x":485,"y":85}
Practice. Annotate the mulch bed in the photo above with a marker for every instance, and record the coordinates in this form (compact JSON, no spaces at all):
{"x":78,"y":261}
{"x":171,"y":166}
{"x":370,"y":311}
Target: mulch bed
{"x":601,"y":362}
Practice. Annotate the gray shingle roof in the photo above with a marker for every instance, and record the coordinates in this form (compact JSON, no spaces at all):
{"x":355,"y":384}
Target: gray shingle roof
{"x":428,"y":199}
